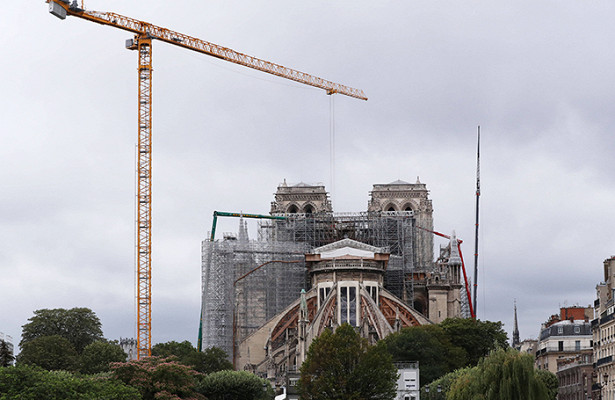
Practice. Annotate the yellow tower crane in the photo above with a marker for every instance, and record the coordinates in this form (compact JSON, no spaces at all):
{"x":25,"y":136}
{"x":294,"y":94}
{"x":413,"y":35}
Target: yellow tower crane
{"x":144,"y":34}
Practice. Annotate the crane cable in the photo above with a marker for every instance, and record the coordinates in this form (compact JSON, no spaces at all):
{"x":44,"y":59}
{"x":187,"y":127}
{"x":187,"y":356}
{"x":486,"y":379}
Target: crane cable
{"x":332,"y":145}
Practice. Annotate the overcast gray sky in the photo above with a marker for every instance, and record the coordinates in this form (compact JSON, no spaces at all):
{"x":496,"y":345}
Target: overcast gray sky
{"x":536,"y":75}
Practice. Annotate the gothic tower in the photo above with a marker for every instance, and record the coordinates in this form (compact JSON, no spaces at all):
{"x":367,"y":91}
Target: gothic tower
{"x":404,"y":196}
{"x":301,"y":198}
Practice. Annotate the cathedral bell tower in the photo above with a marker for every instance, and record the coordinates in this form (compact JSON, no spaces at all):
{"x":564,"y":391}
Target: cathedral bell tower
{"x":413,"y":197}
{"x":301,"y":198}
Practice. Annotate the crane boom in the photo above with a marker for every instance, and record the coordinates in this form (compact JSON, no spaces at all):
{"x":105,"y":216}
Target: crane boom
{"x":144,"y":34}
{"x":179,"y":39}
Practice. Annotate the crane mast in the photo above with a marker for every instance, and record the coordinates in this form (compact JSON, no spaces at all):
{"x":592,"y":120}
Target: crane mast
{"x":144,"y":33}
{"x":144,"y":199}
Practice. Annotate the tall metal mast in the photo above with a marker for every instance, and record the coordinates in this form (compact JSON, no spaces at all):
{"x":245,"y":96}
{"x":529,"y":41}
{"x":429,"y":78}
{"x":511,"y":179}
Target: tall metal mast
{"x":476,"y":226}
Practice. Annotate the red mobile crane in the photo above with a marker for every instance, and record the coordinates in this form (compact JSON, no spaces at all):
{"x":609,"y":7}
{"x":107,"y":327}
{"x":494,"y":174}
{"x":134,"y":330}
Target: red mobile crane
{"x":463,"y":266}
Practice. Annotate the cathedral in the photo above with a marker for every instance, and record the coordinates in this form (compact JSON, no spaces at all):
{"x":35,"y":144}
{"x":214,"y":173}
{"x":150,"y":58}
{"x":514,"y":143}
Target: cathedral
{"x":311,"y":269}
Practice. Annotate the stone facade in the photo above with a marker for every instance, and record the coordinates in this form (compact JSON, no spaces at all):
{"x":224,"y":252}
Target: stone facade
{"x":301,"y":198}
{"x":575,"y":377}
{"x":346,"y":279}
{"x":404,"y":196}
{"x":564,"y":338}
{"x":603,"y":330}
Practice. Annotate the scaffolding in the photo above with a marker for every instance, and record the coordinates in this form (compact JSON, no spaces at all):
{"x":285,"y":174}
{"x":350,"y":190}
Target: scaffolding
{"x":233,"y":309}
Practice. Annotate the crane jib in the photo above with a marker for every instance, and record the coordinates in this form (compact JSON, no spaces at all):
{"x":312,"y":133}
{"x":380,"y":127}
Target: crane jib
{"x":62,"y":8}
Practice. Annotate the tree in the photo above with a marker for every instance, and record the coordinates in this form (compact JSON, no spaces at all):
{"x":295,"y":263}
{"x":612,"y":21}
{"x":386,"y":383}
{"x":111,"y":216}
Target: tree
{"x":32,"y":383}
{"x":49,"y":352}
{"x":549,"y":379}
{"x":503,"y":375}
{"x":342,"y":366}
{"x":210,"y":360}
{"x":477,"y":338}
{"x":437,"y":390}
{"x":159,"y":378}
{"x":241,"y":385}
{"x":80,"y":326}
{"x":6,"y":356}
{"x":97,"y":356}
{"x":182,"y":351}
{"x":430,"y":346}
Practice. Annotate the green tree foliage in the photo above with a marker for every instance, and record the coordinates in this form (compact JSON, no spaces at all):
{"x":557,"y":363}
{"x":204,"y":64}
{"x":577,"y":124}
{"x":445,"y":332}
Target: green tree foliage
{"x":6,"y":357}
{"x":477,"y":338}
{"x":438,"y":389}
{"x":32,"y":383}
{"x":182,"y":351}
{"x":341,"y":366}
{"x":503,"y":375}
{"x":430,"y":346}
{"x":80,"y":326}
{"x":549,"y":379}
{"x":159,"y":378}
{"x":97,"y":356}
{"x":210,"y":360}
{"x":49,"y":352}
{"x":241,"y":385}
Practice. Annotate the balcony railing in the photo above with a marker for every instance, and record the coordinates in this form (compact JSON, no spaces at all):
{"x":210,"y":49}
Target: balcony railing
{"x":563,"y":349}
{"x":604,"y":360}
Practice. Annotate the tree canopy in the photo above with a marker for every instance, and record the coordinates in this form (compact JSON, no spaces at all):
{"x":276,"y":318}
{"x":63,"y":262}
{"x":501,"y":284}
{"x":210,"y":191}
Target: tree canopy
{"x":242,"y":385}
{"x":210,"y":360}
{"x":97,"y":357}
{"x":443,"y":348}
{"x":32,"y":383}
{"x":49,"y":352}
{"x":430,"y":346}
{"x":503,"y":375}
{"x":6,"y":357}
{"x":80,"y":326}
{"x":341,"y":366}
{"x":477,"y":338}
{"x":183,"y":350}
{"x":159,"y":378}
{"x":549,"y":379}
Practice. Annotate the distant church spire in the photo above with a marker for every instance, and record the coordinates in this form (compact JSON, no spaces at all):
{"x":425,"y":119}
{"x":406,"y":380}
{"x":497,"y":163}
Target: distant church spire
{"x":243,"y":230}
{"x":516,"y":344}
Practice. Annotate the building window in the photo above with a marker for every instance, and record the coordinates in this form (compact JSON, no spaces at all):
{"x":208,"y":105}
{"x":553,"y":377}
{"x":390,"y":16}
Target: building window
{"x":343,"y":304}
{"x":348,"y":305}
{"x":323,"y":292}
{"x":352,"y":306}
{"x":560,"y":345}
{"x":373,"y":292}
{"x":560,"y":330}
{"x":577,"y":329}
{"x":577,"y":345}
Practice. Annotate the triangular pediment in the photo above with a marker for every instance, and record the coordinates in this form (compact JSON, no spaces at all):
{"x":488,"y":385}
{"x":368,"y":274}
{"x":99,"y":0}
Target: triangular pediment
{"x":399,"y":182}
{"x":348,"y":247}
